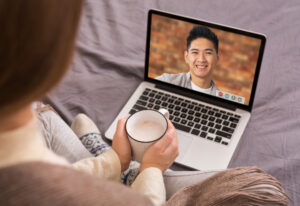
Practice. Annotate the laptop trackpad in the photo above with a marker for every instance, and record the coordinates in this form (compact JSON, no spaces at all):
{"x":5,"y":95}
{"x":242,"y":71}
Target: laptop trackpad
{"x":184,"y":142}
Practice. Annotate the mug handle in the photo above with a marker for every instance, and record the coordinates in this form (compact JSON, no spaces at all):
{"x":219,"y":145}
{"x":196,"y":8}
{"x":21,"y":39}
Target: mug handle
{"x":164,"y":112}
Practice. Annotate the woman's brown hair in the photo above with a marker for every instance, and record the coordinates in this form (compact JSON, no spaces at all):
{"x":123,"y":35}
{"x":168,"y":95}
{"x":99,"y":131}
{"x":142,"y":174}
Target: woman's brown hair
{"x":37,"y":40}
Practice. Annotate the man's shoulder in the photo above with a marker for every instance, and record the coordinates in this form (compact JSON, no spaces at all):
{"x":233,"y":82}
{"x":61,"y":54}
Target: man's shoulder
{"x":172,"y":77}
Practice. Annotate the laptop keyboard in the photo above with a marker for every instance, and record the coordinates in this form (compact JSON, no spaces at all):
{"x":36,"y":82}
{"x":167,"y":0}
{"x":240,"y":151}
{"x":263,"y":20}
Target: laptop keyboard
{"x":213,"y":124}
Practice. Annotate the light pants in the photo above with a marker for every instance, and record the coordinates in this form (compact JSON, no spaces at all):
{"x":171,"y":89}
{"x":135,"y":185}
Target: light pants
{"x":61,"y":139}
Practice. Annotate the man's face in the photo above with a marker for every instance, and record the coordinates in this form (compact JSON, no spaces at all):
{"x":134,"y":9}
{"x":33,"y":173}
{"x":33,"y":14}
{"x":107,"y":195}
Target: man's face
{"x":201,"y":58}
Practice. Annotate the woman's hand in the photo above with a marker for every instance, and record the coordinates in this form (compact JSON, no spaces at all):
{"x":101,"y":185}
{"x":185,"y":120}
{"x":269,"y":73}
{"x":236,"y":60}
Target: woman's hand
{"x":121,"y":145}
{"x":163,"y":152}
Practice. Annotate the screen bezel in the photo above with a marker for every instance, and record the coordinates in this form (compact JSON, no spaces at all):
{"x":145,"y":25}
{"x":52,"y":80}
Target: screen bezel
{"x":216,"y":26}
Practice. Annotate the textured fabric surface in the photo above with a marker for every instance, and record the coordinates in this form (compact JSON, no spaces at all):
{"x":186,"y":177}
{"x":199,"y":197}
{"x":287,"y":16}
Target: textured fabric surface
{"x":108,"y":65}
{"x":234,"y":187}
{"x":44,"y":184}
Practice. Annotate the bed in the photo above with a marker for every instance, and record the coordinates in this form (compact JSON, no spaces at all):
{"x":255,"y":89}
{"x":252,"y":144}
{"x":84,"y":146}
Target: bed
{"x":109,"y":63}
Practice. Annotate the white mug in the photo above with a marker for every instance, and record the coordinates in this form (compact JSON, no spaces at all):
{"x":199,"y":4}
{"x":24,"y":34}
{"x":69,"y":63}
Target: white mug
{"x":144,"y":128}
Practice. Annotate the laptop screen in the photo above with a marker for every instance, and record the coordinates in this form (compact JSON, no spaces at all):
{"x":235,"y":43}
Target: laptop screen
{"x":212,"y":59}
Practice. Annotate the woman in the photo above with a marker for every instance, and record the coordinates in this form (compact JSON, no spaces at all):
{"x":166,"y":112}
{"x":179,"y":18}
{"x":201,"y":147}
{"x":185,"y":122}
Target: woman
{"x":37,"y":41}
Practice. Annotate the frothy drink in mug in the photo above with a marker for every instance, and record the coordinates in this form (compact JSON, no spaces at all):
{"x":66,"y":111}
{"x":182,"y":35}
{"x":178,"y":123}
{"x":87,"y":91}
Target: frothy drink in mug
{"x":147,"y":130}
{"x":144,"y":128}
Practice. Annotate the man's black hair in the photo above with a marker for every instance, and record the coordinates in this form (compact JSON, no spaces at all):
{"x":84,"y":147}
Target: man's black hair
{"x":202,"y":32}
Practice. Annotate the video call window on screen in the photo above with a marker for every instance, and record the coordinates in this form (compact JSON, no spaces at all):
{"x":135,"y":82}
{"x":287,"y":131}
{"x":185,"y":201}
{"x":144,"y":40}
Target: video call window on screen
{"x":203,"y":59}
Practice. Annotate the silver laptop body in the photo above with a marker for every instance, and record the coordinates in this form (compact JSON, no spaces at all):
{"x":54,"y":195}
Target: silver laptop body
{"x":230,"y":109}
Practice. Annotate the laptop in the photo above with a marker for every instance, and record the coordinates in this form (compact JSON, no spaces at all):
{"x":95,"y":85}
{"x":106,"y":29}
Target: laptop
{"x":207,"y":87}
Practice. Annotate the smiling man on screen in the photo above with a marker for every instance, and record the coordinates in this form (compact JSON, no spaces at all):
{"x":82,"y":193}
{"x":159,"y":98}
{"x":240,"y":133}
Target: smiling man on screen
{"x":201,"y":56}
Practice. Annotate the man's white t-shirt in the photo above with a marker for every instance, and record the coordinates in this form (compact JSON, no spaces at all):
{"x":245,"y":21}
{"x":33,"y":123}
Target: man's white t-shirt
{"x":199,"y":89}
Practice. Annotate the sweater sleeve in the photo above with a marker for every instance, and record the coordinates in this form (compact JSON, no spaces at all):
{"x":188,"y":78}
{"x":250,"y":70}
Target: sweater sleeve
{"x":107,"y":165}
{"x":150,"y":183}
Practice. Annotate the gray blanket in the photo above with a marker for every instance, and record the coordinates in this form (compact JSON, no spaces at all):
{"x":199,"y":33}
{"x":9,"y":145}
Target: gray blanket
{"x":108,"y":65}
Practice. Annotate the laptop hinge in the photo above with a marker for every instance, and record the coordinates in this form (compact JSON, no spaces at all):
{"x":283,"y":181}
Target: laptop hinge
{"x":197,"y":97}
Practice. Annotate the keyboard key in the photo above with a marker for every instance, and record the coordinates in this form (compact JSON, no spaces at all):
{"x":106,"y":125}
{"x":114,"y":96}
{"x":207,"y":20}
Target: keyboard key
{"x":190,"y":117}
{"x":132,"y":111}
{"x":176,"y":113}
{"x":204,"y":116}
{"x":141,"y":102}
{"x":170,"y":100}
{"x":229,"y":113}
{"x":177,"y":102}
{"x":211,"y":124}
{"x":233,"y":125}
{"x":184,"y":110}
{"x":183,"y":121}
{"x":197,"y":126}
{"x":198,"y":114}
{"x":150,"y":105}
{"x":182,"y":127}
{"x":151,"y":94}
{"x":211,"y":130}
{"x":210,"y":138}
{"x":190,"y":106}
{"x":171,"y":106}
{"x":223,"y":134}
{"x":204,"y":128}
{"x":203,"y":134}
{"x":219,"y":121}
{"x":197,"y":109}
{"x":227,"y":129}
{"x":224,"y":143}
{"x":225,"y":123}
{"x":218,"y":139}
{"x":204,"y":111}
{"x":191,"y":112}
{"x":191,"y":124}
{"x":237,"y":116}
{"x":158,"y":96}
{"x":218,"y":126}
{"x":183,"y":115}
{"x":164,"y":104}
{"x":218,"y":114}
{"x":138,"y":107}
{"x":151,"y":100}
{"x":210,"y":113}
{"x":197,"y":119}
{"x":144,"y":98}
{"x":176,"y":119}
{"x":203,"y":122}
{"x":156,"y":107}
{"x":211,"y":119}
{"x":225,"y":117}
{"x":195,"y":132}
{"x":183,"y":104}
{"x":178,"y":108}
{"x":158,"y":102}
{"x":234,"y":120}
